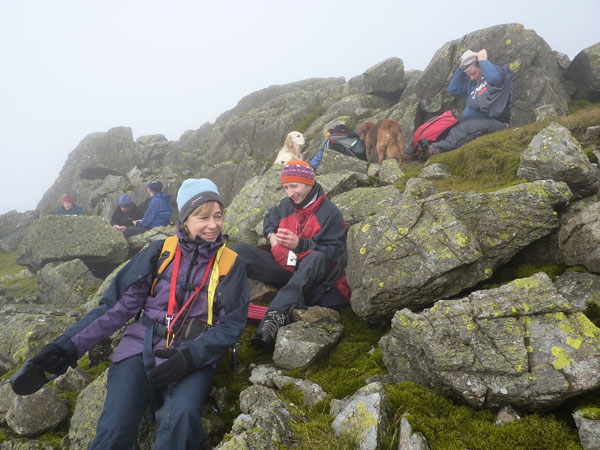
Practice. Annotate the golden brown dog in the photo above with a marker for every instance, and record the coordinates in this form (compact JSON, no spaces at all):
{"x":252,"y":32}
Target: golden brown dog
{"x":385,"y":137}
{"x":291,"y":148}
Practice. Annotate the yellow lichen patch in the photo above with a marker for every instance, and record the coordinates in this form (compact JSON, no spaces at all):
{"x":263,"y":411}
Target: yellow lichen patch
{"x":461,"y":239}
{"x":363,"y":250}
{"x":508,"y":41}
{"x":519,"y":368}
{"x":574,"y":342}
{"x":525,"y":307}
{"x":562,"y":359}
{"x":359,"y":422}
{"x":530,"y":348}
{"x":589,"y":329}
{"x":381,"y":284}
{"x":526,"y":283}
{"x":488,"y":271}
{"x":389,"y":248}
{"x":365,"y":228}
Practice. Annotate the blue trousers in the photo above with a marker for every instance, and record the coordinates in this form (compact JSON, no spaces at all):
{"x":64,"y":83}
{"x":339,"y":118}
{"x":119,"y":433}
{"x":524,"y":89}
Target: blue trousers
{"x":128,"y":395}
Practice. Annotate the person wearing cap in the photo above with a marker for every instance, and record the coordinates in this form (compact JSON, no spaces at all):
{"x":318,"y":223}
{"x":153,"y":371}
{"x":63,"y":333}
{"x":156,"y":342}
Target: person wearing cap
{"x":488,"y":89}
{"x":158,"y":213}
{"x":125,"y":213}
{"x":69,"y":208}
{"x":166,"y":358}
{"x":307,"y":259}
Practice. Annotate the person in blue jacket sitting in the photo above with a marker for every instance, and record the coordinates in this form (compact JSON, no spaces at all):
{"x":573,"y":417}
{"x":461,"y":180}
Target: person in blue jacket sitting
{"x":158,"y":213}
{"x":488,"y":88}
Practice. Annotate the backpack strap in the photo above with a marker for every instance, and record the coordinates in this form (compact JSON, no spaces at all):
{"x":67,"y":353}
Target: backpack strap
{"x":225,"y":259}
{"x":166,"y":256}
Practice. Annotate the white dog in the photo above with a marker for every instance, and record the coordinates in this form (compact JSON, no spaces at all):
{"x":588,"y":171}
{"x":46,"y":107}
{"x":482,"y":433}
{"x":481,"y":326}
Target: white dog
{"x":291,"y":148}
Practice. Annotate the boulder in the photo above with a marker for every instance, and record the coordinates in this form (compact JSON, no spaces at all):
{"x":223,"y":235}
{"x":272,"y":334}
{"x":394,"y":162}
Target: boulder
{"x":27,"y":328}
{"x":32,"y":415}
{"x":584,"y":71}
{"x":553,"y":154}
{"x":390,"y":172}
{"x":13,"y":227}
{"x":69,"y":283}
{"x":579,"y":288}
{"x":63,"y":238}
{"x":358,"y":204}
{"x":579,"y":239}
{"x":435,"y":171}
{"x":300,"y":344}
{"x":588,"y":427}
{"x":311,"y":392}
{"x":411,"y":254}
{"x":410,"y":440}
{"x":537,"y":76}
{"x":336,"y":162}
{"x":520,"y":344}
{"x":363,"y":416}
{"x":385,"y":79}
{"x":87,"y":412}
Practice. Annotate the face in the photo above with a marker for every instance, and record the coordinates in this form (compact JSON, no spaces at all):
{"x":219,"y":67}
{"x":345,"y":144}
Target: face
{"x":205,"y":222}
{"x":474,"y":73}
{"x":297,"y":191}
{"x":126,"y":208}
{"x":67,"y":205}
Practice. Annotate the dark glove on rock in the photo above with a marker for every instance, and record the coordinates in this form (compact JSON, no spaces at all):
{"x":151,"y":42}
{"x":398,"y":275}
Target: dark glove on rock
{"x":177,"y":365}
{"x":52,"y":358}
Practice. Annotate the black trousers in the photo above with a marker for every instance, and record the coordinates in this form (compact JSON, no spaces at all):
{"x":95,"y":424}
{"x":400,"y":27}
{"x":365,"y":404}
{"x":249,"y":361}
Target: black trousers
{"x":299,"y":289}
{"x":466,"y":131}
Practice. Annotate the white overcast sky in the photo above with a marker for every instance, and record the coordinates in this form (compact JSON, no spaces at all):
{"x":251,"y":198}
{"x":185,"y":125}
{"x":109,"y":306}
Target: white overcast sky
{"x":73,"y":67}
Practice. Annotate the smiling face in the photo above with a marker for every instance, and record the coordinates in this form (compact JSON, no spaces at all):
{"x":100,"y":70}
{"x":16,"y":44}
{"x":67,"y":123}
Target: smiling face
{"x":297,"y":191}
{"x":205,"y":222}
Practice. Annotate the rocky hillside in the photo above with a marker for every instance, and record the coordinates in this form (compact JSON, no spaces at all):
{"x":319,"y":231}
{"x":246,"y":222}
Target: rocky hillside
{"x":474,"y":311}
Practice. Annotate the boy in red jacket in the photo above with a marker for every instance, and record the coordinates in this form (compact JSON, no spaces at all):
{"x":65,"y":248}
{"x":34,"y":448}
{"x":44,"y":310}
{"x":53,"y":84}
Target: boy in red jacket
{"x":307,"y":235}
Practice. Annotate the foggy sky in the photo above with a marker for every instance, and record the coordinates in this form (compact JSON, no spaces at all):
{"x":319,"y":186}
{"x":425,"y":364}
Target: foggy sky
{"x":70,"y":68}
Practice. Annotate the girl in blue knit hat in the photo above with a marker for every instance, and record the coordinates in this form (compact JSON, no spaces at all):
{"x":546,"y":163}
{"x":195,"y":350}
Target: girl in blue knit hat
{"x":191,"y":313}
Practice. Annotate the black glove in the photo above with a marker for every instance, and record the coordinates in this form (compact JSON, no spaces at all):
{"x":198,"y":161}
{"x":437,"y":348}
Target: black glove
{"x":54,"y":359}
{"x":177,"y":365}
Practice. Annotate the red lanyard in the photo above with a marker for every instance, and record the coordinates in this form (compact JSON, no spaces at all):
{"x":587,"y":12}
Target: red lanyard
{"x":172,"y":302}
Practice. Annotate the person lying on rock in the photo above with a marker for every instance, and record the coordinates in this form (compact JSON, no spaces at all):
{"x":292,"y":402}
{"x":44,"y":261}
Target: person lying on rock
{"x":307,"y":235}
{"x":158,"y":213}
{"x":195,"y":311}
{"x":125,"y":213}
{"x":69,"y":208}
{"x":488,"y":88}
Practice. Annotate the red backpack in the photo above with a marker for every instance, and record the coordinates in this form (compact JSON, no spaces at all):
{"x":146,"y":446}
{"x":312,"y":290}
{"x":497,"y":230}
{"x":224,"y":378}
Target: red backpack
{"x":435,"y":128}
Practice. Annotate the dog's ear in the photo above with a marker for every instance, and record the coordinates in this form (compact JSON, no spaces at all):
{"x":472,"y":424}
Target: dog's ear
{"x":289,"y":143}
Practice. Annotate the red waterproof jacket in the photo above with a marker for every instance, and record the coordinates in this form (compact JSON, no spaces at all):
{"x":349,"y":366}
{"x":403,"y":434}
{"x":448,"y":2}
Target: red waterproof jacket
{"x":319,"y":227}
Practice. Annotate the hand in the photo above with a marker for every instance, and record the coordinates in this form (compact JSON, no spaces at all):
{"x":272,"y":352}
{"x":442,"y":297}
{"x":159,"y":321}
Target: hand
{"x":482,"y":55}
{"x":287,"y":238}
{"x":273,"y":240}
{"x":135,"y":222}
{"x":54,"y":359}
{"x":173,"y":369}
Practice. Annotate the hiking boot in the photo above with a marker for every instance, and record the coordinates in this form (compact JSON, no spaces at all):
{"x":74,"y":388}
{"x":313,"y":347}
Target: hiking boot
{"x":432,"y":151}
{"x":268,"y":328}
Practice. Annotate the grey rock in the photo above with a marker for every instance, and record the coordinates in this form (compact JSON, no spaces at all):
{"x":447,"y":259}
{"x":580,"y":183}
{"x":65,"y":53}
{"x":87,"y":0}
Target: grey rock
{"x":384,"y":78}
{"x":419,"y":189}
{"x":506,"y":415}
{"x":588,"y":429}
{"x":137,"y":242}
{"x":579,"y":288}
{"x":579,"y":239}
{"x":25,"y":330}
{"x":418,"y":251}
{"x":37,"y":413}
{"x":545,"y":112}
{"x":87,"y":412}
{"x":253,"y":440}
{"x":584,"y":71}
{"x":390,"y":172}
{"x":13,"y":227}
{"x":28,"y":445}
{"x":358,"y":204}
{"x":63,"y":238}
{"x":410,"y":440}
{"x":553,"y":154}
{"x":315,"y":314}
{"x":300,"y":344}
{"x":363,"y":416}
{"x":263,"y":375}
{"x":312,"y":393}
{"x":520,"y":344}
{"x":6,"y":399}
{"x":69,"y":283}
{"x":336,"y":162}
{"x":73,"y":380}
{"x":435,"y":171}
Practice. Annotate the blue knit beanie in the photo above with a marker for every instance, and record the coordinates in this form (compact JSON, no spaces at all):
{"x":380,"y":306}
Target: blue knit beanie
{"x":124,"y":200}
{"x":155,"y":185}
{"x":193,"y":192}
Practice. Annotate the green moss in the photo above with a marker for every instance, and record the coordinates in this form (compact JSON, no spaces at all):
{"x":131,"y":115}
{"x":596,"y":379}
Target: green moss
{"x":491,"y":161}
{"x":305,"y":122}
{"x":449,"y":426}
